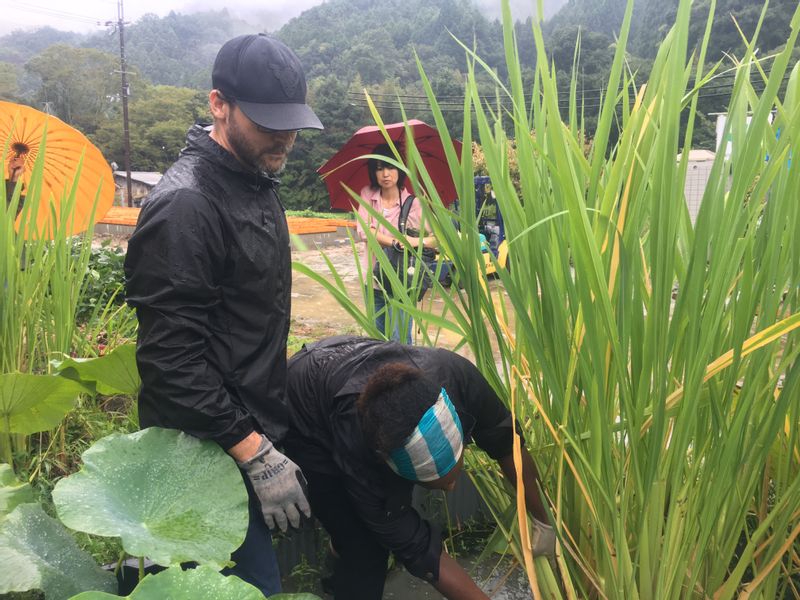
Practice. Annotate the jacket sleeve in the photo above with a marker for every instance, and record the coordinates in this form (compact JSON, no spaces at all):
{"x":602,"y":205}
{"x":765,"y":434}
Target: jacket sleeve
{"x":397,"y":526}
{"x":173,"y":267}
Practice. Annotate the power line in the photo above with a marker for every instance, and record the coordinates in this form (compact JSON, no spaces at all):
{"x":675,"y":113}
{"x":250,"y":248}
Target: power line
{"x":581,"y":106}
{"x":410,"y":99}
{"x":60,"y":14}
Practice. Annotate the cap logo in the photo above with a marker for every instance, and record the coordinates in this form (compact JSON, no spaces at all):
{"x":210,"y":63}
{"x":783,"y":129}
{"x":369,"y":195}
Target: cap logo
{"x":288,"y":76}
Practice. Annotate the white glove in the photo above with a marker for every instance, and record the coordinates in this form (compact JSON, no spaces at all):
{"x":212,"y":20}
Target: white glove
{"x":279,"y":485}
{"x":544,"y":539}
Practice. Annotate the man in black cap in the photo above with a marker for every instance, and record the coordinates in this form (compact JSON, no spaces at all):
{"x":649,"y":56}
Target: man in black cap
{"x":208,"y":271}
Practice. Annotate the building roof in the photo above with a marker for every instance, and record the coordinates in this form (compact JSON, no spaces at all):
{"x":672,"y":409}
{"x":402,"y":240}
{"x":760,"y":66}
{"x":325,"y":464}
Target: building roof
{"x":146,"y":177}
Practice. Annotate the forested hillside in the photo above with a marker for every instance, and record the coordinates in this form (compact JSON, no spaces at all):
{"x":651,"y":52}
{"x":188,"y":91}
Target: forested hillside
{"x":346,"y":46}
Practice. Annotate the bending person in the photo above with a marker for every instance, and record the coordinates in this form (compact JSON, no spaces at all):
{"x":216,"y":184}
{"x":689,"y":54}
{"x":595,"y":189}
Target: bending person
{"x":368,"y":420}
{"x":386,"y":194}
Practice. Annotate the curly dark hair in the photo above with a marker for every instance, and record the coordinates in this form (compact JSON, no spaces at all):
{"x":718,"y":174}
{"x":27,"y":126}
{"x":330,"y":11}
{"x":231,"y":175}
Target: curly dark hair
{"x":392,"y":403}
{"x":373,"y":163}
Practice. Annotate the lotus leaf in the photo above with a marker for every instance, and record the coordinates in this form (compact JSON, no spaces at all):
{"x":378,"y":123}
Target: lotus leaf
{"x":12,"y":492}
{"x":38,"y":553}
{"x":32,"y":403}
{"x":113,"y":373}
{"x":171,"y":497}
{"x":202,"y":583}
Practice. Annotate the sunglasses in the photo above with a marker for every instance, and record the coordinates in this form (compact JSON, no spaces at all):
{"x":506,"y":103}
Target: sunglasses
{"x":272,"y":131}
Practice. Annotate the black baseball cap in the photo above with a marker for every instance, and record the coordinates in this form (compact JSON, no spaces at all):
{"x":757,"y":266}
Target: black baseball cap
{"x":267,"y":81}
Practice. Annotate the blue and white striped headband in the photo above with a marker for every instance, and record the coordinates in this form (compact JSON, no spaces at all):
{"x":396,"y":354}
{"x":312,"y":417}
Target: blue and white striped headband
{"x":435,"y":445}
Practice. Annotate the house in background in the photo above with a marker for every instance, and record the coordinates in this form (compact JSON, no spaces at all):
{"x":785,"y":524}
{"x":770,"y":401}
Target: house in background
{"x":698,"y":170}
{"x":141,"y":184}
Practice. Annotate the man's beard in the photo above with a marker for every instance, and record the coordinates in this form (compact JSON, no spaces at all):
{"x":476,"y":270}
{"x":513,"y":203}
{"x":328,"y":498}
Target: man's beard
{"x":251,"y":156}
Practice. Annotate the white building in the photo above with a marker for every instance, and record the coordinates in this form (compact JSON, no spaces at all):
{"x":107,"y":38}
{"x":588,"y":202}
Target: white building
{"x":697,"y":172}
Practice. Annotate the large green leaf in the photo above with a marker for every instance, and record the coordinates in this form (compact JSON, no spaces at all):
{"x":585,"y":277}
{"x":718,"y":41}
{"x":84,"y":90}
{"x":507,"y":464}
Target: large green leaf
{"x":113,"y":373}
{"x":169,"y":496}
{"x":202,"y":583}
{"x":12,"y":492}
{"x":37,"y":553}
{"x":32,"y":403}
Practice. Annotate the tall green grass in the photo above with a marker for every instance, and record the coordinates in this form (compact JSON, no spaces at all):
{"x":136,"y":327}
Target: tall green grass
{"x":653,"y":362}
{"x":42,"y":279}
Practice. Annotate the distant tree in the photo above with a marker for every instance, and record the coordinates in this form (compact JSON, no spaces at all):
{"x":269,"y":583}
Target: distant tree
{"x":159,"y":117}
{"x":9,"y":88}
{"x":177,"y":49}
{"x":79,"y":84}
{"x":20,"y":46}
{"x":303,"y":188}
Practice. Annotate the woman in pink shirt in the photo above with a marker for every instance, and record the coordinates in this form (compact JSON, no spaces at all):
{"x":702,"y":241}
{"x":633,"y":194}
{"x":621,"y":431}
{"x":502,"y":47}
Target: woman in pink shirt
{"x":385,"y":194}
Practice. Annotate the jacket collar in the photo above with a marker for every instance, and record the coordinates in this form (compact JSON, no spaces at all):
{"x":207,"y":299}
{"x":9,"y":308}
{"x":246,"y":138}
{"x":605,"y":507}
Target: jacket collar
{"x":199,"y":140}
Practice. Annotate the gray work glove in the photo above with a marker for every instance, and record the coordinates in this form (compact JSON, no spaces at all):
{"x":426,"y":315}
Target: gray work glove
{"x":279,"y":485}
{"x":544,"y":539}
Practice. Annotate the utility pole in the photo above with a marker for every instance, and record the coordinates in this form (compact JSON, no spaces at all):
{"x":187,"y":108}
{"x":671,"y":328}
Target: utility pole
{"x":126,"y":91}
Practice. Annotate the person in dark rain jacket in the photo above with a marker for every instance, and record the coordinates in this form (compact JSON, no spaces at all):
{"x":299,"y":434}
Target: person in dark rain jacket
{"x":208,"y":271}
{"x":370,"y":419}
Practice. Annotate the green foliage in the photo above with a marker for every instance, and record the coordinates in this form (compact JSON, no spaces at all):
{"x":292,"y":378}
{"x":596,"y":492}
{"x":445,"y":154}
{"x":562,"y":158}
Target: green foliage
{"x":37,"y":552}
{"x":169,"y":496}
{"x":383,"y":51}
{"x":302,"y":187}
{"x":76,"y":82}
{"x":105,"y":279}
{"x":9,"y":86}
{"x":175,"y":50}
{"x":18,"y":47}
{"x":32,"y":403}
{"x":202,"y":583}
{"x":12,"y":492}
{"x":159,"y":117}
{"x":109,"y":374}
{"x":311,"y":214}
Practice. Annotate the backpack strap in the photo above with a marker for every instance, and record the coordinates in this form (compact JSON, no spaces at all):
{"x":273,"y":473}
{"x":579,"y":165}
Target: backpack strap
{"x":402,"y":218}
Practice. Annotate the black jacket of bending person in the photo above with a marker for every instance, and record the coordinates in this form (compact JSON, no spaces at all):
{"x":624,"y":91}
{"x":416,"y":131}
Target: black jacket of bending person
{"x":324,"y":382}
{"x":209,"y":272}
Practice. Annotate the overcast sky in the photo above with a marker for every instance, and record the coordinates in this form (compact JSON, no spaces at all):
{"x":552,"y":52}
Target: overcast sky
{"x":83,"y":15}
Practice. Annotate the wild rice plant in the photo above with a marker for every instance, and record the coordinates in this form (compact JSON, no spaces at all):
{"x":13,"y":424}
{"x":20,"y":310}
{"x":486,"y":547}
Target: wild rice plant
{"x":653,"y":362}
{"x":43,"y":279}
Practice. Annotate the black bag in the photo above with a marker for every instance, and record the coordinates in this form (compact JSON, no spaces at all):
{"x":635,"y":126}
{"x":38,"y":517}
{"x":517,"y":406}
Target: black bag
{"x":404,"y":263}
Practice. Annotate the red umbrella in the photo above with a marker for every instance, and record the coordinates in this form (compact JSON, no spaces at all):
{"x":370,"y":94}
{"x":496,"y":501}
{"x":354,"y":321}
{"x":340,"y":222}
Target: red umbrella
{"x":338,"y":171}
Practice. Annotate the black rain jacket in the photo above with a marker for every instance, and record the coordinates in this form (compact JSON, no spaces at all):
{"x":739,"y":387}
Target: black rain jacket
{"x":208,"y":270}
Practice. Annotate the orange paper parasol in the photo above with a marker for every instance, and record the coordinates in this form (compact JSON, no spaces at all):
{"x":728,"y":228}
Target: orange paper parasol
{"x":22,"y":131}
